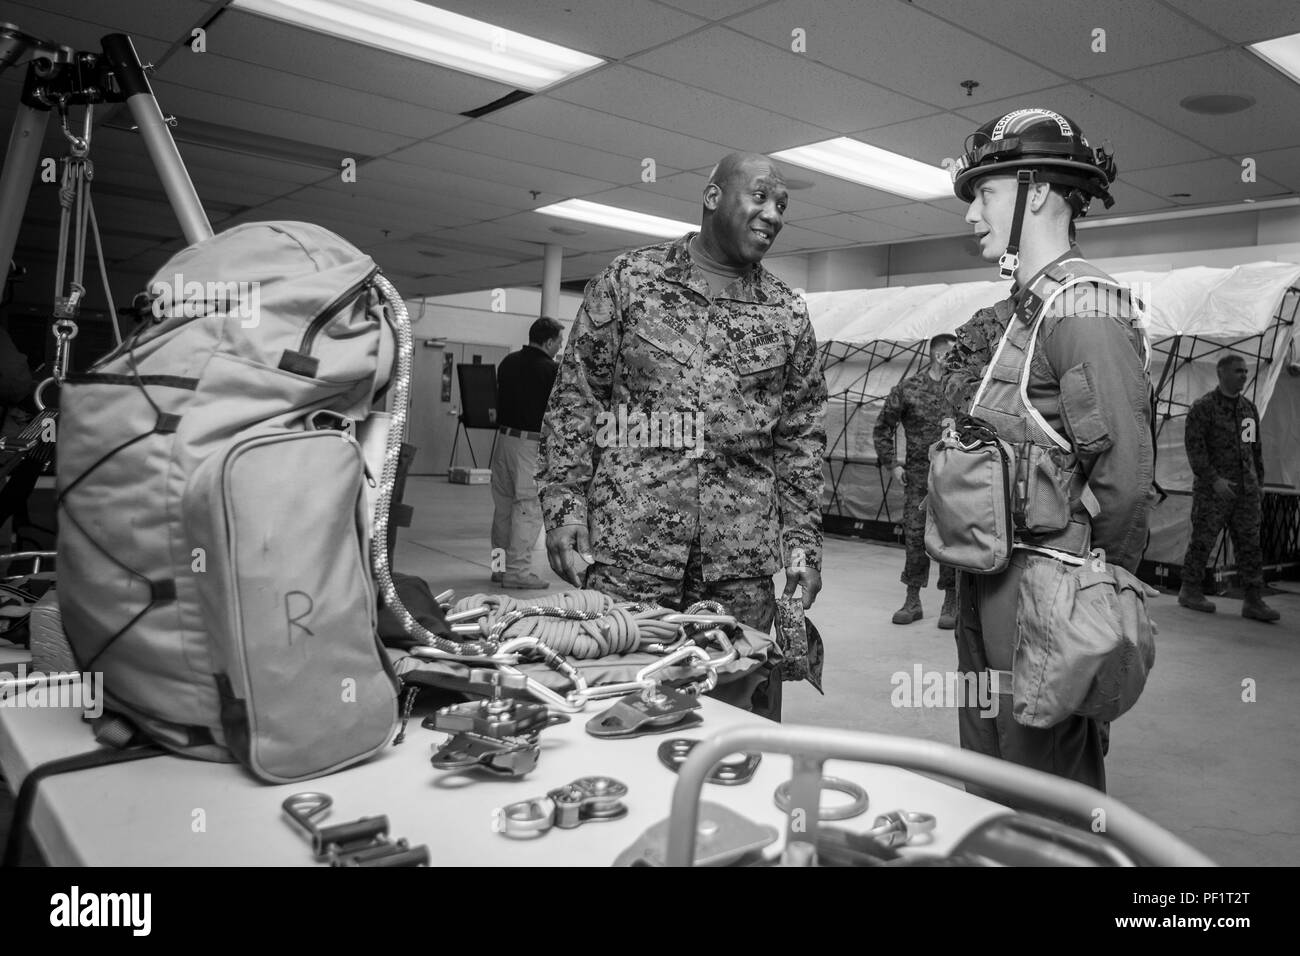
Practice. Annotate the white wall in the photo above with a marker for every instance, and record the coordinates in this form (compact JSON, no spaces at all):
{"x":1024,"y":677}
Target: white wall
{"x":484,"y":318}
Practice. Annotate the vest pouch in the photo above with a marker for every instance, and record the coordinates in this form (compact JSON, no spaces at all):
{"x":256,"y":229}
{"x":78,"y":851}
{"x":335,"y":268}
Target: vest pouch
{"x":1043,"y":495}
{"x":968,"y":513}
{"x":289,"y":601}
{"x":1084,"y":642}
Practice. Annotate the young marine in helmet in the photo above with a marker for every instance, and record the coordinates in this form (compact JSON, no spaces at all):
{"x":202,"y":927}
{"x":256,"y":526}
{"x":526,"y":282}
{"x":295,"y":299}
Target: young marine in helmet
{"x":1078,"y":420}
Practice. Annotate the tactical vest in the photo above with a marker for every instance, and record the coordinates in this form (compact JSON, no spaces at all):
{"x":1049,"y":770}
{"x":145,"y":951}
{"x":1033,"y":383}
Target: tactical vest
{"x":1051,"y":502}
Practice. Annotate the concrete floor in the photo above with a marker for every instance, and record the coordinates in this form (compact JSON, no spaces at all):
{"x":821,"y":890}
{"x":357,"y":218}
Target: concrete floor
{"x":1220,"y":772}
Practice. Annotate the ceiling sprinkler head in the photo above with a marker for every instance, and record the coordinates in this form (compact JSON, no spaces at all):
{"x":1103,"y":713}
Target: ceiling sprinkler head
{"x":969,"y":86}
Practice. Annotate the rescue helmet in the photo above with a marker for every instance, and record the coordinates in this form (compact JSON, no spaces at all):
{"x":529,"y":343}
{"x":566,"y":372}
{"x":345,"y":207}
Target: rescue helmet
{"x":1047,"y":142}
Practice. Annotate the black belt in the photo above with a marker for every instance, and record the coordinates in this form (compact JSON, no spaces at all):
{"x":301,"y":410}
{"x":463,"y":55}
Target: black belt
{"x":520,"y":433}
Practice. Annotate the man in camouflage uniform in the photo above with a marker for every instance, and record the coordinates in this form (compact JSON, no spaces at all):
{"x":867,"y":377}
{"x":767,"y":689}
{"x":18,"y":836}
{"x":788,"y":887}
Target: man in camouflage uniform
{"x":681,"y":453}
{"x":918,"y":404}
{"x":1223,"y":447}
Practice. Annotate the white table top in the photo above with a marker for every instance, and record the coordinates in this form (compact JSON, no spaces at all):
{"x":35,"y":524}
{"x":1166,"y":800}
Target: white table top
{"x":167,"y":811}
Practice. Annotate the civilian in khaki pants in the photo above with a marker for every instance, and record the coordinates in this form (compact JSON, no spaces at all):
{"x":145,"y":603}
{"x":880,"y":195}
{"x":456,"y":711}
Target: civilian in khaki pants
{"x":524,"y":381}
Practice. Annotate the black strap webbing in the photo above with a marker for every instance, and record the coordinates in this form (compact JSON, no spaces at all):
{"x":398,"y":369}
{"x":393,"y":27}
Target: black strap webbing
{"x":27,"y":792}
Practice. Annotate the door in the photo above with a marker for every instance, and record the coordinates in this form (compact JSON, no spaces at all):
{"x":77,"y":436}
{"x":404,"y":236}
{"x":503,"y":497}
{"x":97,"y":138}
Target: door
{"x":435,"y":406}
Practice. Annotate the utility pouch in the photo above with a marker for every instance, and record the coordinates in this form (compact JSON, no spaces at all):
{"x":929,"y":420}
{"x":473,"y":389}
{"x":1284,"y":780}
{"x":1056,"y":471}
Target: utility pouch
{"x":968,"y":504}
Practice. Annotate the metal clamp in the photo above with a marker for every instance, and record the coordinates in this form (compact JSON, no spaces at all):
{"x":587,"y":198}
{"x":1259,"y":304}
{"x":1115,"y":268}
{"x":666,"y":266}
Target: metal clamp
{"x":498,"y":735}
{"x":653,"y":711}
{"x":362,"y":842}
{"x":585,"y":800}
{"x":842,"y":812}
{"x":673,"y":753}
{"x":901,"y":827}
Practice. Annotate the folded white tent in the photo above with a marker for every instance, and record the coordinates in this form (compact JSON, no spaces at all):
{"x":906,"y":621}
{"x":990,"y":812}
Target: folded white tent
{"x":871,"y":338}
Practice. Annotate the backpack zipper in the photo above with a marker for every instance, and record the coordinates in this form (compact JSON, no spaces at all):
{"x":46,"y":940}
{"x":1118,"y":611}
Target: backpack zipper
{"x":332,"y":310}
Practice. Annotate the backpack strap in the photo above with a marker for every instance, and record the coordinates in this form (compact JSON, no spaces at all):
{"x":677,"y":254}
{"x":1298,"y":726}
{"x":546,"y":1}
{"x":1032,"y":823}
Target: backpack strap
{"x":27,"y":792}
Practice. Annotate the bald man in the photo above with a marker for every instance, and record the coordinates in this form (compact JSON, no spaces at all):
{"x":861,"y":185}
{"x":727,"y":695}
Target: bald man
{"x":681,"y":453}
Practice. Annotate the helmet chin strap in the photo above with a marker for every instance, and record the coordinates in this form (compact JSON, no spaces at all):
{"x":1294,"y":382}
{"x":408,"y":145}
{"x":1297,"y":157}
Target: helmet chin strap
{"x":1010,"y":260}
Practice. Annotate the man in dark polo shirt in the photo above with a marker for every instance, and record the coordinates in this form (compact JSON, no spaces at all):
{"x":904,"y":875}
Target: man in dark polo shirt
{"x":524,"y":381}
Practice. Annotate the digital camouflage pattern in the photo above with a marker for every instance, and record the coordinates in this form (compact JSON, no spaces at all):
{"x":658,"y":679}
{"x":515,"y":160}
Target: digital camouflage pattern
{"x":649,"y":339}
{"x":1222,"y":440}
{"x":971,"y":353}
{"x":917,"y":403}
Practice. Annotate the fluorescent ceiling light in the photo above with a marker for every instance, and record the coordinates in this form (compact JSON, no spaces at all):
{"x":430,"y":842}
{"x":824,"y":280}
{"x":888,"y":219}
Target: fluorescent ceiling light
{"x":417,"y":30}
{"x":1171,"y":214}
{"x":615,"y":218}
{"x":859,"y":162}
{"x":1282,"y":53}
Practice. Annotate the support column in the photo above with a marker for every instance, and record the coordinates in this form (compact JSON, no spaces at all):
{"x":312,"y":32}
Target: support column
{"x":554,"y":257}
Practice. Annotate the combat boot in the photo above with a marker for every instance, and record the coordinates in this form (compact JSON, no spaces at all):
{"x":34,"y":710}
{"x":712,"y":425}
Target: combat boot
{"x":948,"y":616}
{"x":1190,"y":596}
{"x":1254,"y":607}
{"x":911,"y":609}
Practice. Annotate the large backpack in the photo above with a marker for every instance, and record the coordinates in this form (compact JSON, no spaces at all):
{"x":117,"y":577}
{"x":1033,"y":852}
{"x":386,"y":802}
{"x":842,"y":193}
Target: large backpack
{"x":214,"y":530}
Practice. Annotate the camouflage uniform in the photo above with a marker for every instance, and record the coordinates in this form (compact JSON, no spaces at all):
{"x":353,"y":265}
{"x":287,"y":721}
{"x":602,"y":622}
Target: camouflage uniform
{"x":1216,"y":436}
{"x":918,"y":403}
{"x":970,"y":355}
{"x":650,"y":338}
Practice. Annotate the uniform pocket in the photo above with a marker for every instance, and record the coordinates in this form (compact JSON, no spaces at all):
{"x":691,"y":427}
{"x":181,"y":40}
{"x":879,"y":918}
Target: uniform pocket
{"x":1082,"y":410}
{"x":662,"y":339}
{"x":764,"y":358}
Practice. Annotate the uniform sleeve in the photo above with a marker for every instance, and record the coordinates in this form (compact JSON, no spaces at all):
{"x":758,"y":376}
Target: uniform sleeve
{"x":1104,"y":409}
{"x":566,"y":457}
{"x":799,"y":443}
{"x":886,"y":429}
{"x":1195,"y":440}
{"x":964,"y":365}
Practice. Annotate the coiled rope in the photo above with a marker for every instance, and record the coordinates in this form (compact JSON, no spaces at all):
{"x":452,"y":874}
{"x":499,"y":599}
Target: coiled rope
{"x":581,"y":624}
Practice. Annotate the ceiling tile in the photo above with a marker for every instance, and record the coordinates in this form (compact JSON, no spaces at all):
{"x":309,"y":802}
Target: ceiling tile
{"x":295,"y":50}
{"x":897,"y":46}
{"x":1130,"y":199}
{"x":1281,"y":166}
{"x":1138,"y":143}
{"x":123,"y":148}
{"x":928,"y":140}
{"x":597,"y":27}
{"x":857,"y":229}
{"x":587,"y":127}
{"x":747,"y":70}
{"x":837,"y":195}
{"x":714,"y":9}
{"x":213,"y":108}
{"x":651,"y":203}
{"x":1137,"y":34}
{"x":552,"y":184}
{"x":240,"y":80}
{"x":81,"y":25}
{"x":1272,"y":123}
{"x":506,"y":143}
{"x":1209,"y":181}
{"x":668,"y":104}
{"x":442,"y":207}
{"x":1244,"y":22}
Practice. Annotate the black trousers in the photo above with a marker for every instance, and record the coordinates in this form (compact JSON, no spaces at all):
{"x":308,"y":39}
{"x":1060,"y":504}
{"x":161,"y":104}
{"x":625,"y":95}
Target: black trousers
{"x":985,"y":634}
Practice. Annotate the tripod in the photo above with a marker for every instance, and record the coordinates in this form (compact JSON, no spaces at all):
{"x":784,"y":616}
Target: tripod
{"x":58,"y":78}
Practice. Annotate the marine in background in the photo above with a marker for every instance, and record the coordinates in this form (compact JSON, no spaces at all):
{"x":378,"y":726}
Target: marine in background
{"x":918,"y":404}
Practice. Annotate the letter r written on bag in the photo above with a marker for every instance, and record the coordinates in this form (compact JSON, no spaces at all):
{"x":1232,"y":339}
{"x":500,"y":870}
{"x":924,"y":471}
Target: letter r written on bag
{"x":297,"y":605}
